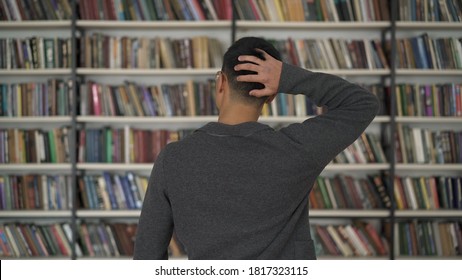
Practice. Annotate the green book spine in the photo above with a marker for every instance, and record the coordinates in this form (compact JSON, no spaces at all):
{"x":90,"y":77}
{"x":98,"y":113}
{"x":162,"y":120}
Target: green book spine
{"x":108,"y":145}
{"x":51,"y":138}
{"x":324,"y":193}
{"x":418,"y":191}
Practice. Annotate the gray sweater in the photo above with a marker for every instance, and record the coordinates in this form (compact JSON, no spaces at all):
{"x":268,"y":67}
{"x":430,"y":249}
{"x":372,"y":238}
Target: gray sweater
{"x":241,"y":191}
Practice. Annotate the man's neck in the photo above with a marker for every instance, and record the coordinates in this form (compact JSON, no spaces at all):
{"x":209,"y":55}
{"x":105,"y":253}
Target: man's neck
{"x":238,"y":114}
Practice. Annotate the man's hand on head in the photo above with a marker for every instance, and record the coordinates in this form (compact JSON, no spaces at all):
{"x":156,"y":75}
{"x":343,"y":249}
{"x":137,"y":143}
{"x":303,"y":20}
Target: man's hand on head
{"x":268,"y":73}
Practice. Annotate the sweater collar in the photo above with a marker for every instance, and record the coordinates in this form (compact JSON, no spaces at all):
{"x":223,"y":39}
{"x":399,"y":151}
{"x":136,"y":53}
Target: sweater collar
{"x":243,"y":129}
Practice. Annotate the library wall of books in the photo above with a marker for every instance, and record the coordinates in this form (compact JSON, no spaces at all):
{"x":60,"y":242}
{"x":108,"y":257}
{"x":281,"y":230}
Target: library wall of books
{"x":92,"y":90}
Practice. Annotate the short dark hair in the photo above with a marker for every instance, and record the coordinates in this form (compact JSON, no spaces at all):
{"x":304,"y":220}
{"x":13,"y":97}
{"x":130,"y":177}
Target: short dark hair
{"x":246,"y":46}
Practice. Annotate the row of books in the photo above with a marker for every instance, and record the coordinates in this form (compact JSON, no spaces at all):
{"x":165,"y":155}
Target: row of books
{"x":264,"y":10}
{"x":198,"y":98}
{"x":109,"y":145}
{"x":414,"y":145}
{"x":186,"y":99}
{"x":423,"y":52}
{"x":366,"y":149}
{"x":332,"y":54}
{"x":346,"y":192}
{"x":192,"y":98}
{"x":313,"y":10}
{"x":18,"y":10}
{"x":428,"y":238}
{"x":34,"y":240}
{"x":102,"y":145}
{"x":428,"y":192}
{"x":112,"y":192}
{"x":52,"y":98}
{"x":417,"y":145}
{"x":93,"y":240}
{"x":148,"y":10}
{"x":117,"y":239}
{"x":430,"y":10}
{"x":437,"y":100}
{"x":27,"y":192}
{"x":357,"y":239}
{"x":35,"y":53}
{"x":34,"y":145}
{"x":106,"y":239}
{"x":103,"y":51}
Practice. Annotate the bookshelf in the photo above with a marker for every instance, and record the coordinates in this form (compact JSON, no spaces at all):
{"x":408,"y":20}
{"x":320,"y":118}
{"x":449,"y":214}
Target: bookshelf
{"x":406,"y":29}
{"x":226,"y":30}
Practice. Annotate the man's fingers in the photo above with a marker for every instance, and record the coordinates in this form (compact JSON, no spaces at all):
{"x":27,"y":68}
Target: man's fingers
{"x":246,"y":66}
{"x":250,"y":58}
{"x":249,"y":78}
{"x":265,"y":54}
{"x":260,"y":92}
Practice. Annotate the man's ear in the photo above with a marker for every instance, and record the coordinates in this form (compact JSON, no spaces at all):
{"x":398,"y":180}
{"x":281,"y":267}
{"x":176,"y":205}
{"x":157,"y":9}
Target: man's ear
{"x":270,"y":98}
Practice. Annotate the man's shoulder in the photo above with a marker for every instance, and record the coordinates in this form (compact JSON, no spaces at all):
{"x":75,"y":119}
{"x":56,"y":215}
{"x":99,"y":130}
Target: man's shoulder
{"x":180,"y":146}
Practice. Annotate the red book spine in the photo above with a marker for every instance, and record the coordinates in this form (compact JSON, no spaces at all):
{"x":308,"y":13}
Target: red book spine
{"x":434,"y":193}
{"x":60,"y":242}
{"x":86,"y":237}
{"x":254,"y":10}
{"x":375,"y":237}
{"x":330,"y":245}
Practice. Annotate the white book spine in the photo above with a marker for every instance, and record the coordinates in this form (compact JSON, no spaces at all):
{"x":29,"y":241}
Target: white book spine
{"x":330,"y":192}
{"x":356,"y":241}
{"x":418,"y":144}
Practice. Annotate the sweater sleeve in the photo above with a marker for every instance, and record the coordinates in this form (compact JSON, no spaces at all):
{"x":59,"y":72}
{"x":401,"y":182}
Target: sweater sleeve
{"x":350,"y":110}
{"x":155,"y":225}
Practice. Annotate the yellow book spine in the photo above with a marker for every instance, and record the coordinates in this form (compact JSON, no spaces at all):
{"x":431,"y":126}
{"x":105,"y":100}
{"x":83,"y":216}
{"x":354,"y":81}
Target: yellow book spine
{"x":425,"y":193}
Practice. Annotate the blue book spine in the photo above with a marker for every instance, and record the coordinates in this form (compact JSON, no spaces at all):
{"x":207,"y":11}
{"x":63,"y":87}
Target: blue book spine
{"x":59,"y":203}
{"x":127,"y":192}
{"x":192,"y":10}
{"x":103,"y":238}
{"x":436,"y":10}
{"x":148,"y":100}
{"x":423,"y":54}
{"x":134,"y":190}
{"x":138,"y":12}
{"x":119,"y":10}
{"x":110,"y":190}
{"x":185,"y":11}
{"x":33,"y":231}
{"x":36,"y":193}
{"x":416,"y":53}
{"x":413,"y":10}
{"x":89,"y":192}
{"x":5,"y":241}
{"x":408,"y":239}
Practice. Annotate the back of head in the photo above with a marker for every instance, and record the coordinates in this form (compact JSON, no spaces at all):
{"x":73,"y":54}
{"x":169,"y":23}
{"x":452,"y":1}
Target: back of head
{"x":246,"y":46}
